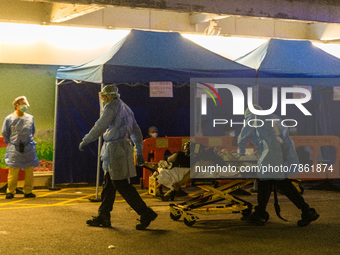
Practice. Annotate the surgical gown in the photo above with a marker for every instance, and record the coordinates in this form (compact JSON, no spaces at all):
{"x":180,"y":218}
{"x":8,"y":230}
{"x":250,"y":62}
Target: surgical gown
{"x":16,"y":130}
{"x":119,"y":128}
{"x":275,"y":147}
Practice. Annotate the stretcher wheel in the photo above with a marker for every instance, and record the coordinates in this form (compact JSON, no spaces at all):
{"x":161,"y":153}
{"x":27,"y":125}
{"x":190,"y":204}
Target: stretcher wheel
{"x":175,"y":214}
{"x":175,"y":217}
{"x":189,"y":219}
{"x":189,"y":223}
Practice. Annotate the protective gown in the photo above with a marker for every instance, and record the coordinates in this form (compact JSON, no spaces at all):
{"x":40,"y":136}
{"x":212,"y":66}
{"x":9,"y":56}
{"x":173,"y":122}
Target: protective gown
{"x":16,"y":130}
{"x":275,"y":147}
{"x":119,"y":128}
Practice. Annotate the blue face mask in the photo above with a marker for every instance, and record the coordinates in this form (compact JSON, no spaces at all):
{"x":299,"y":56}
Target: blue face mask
{"x":23,"y":108}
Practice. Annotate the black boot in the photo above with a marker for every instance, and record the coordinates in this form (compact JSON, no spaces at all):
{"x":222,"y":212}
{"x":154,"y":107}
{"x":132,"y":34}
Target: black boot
{"x":307,"y":217}
{"x":29,"y":195}
{"x":9,"y":195}
{"x":259,"y":217}
{"x":99,"y":221}
{"x":146,"y":219}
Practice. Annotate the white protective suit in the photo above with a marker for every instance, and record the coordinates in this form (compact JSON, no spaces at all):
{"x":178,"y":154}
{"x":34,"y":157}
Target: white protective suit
{"x":15,"y":130}
{"x":119,"y":128}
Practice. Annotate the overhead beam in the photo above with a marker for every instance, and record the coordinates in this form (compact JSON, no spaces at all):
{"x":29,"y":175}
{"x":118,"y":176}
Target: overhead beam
{"x":62,"y":12}
{"x":160,"y":18}
{"x":325,"y":32}
{"x":307,"y":10}
{"x":125,"y":18}
{"x":205,"y":17}
{"x":18,"y":11}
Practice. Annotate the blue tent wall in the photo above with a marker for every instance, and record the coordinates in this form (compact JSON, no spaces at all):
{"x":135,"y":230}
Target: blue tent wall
{"x":170,"y":115}
{"x":329,"y":112}
{"x":131,"y":64}
{"x":307,"y":125}
{"x":77,"y":111}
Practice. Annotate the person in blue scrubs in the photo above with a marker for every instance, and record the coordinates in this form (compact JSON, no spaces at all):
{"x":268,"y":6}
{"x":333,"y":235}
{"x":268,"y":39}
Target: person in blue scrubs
{"x":18,"y":130}
{"x":275,"y":148}
{"x":120,"y":133}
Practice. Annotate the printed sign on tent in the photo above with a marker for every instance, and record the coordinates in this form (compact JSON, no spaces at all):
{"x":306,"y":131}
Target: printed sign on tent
{"x":161,"y":89}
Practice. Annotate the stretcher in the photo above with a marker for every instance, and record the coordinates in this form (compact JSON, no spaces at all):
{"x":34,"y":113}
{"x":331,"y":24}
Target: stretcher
{"x":202,"y":204}
{"x":220,"y":200}
{"x":208,"y":202}
{"x":211,"y":200}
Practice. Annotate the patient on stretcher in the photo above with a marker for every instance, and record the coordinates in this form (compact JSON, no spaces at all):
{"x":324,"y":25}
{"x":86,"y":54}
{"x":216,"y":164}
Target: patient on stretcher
{"x":174,"y":176}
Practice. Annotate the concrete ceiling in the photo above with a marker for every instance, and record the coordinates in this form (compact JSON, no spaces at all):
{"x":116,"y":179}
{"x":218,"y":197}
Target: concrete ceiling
{"x":294,"y":19}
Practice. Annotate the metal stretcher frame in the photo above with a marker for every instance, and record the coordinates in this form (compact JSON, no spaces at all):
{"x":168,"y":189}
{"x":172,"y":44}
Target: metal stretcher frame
{"x":201,"y":204}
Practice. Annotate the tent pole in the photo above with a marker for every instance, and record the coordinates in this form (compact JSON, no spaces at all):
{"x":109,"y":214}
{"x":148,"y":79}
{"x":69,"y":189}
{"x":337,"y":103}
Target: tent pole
{"x":96,"y":198}
{"x":54,"y":135}
{"x":98,"y":166}
{"x":256,"y":101}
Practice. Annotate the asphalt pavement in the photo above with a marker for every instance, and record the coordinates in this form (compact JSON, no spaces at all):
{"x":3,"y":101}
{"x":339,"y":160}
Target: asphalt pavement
{"x":55,"y":223}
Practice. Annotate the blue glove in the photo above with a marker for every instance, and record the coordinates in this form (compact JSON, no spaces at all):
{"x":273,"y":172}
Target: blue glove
{"x":82,"y":145}
{"x":140,"y":160}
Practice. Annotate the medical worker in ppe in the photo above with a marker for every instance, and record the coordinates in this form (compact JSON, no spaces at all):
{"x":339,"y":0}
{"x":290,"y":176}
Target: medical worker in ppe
{"x":18,"y":130}
{"x":275,"y":148}
{"x":120,"y":132}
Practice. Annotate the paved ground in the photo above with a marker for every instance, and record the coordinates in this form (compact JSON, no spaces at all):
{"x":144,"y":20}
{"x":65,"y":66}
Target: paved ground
{"x":54,"y":223}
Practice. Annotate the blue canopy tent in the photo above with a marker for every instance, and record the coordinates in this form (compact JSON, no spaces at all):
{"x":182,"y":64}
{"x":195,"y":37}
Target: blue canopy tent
{"x":138,"y":59}
{"x":286,"y":63}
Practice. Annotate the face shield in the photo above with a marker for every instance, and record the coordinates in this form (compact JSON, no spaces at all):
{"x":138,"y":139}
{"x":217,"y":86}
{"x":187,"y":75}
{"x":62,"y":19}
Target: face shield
{"x":108,"y":94}
{"x":16,"y":101}
{"x":109,"y":91}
